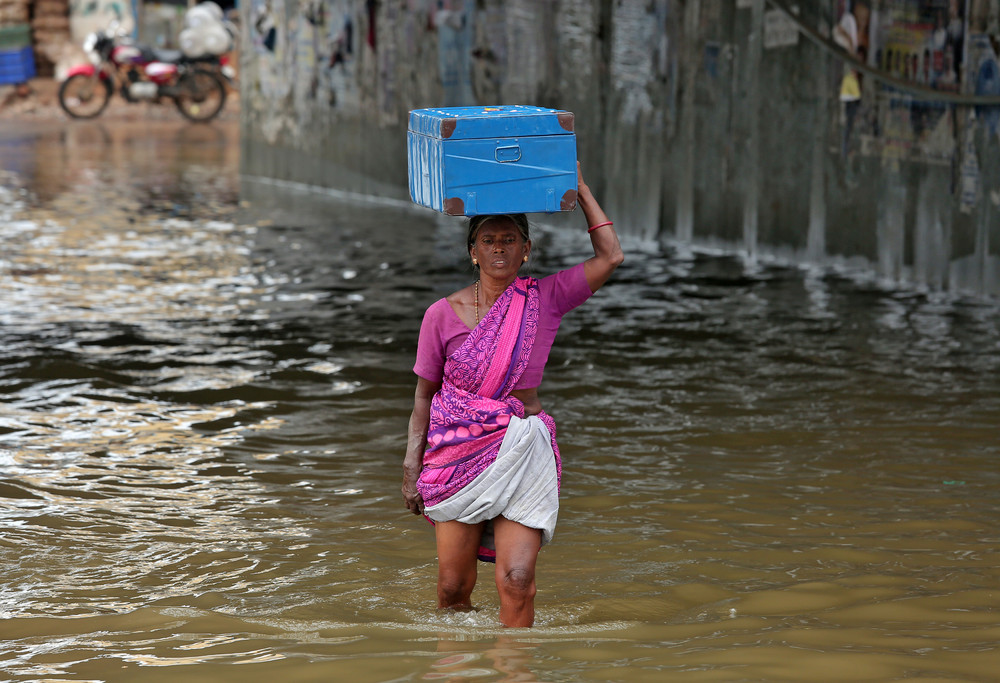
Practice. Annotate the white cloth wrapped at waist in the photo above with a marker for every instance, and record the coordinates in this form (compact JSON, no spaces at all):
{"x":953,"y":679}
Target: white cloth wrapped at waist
{"x":521,"y":485}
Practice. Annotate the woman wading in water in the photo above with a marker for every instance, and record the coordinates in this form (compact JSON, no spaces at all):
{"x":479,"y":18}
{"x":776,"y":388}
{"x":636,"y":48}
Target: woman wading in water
{"x":482,"y":460}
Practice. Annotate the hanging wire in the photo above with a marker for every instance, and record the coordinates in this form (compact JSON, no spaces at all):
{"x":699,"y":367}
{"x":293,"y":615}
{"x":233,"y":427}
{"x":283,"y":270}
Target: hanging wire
{"x":919,"y":90}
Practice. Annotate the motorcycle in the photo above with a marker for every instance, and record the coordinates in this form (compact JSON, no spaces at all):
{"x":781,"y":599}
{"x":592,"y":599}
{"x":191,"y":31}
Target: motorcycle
{"x":139,"y":74}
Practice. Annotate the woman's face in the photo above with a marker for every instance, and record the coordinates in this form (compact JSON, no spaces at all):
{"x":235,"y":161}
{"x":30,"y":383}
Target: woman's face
{"x":500,"y":249}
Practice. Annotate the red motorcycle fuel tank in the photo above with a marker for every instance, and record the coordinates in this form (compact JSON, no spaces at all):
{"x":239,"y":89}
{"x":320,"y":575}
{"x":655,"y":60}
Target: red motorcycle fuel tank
{"x":160,"y":72}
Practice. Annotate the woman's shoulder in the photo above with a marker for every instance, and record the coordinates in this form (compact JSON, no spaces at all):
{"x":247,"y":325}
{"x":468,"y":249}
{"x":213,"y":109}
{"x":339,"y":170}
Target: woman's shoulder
{"x":445,"y":312}
{"x":565,"y":289}
{"x":434,"y":310}
{"x":458,"y":298}
{"x":572,"y":277}
{"x":462,"y":296}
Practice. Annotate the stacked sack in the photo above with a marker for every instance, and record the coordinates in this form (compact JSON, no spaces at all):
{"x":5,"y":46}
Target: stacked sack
{"x":50,"y":26}
{"x":17,"y":58}
{"x":206,"y":32}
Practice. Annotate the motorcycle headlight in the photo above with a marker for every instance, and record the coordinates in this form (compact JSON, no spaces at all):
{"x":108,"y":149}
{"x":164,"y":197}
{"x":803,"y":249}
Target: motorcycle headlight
{"x":90,"y":47}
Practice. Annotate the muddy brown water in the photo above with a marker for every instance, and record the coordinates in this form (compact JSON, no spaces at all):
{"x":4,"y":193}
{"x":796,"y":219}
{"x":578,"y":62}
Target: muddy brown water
{"x":771,"y":473}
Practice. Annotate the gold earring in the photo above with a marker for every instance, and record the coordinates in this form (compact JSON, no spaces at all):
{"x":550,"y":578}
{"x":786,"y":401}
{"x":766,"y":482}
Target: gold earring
{"x":475,"y":262}
{"x":525,"y":258}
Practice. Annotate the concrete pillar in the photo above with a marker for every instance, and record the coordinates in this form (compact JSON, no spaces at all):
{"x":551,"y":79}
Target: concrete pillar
{"x":751,"y":182}
{"x":816,"y":236}
{"x":982,"y":248}
{"x":931,"y":248}
{"x":685,"y":186}
{"x":891,"y":228}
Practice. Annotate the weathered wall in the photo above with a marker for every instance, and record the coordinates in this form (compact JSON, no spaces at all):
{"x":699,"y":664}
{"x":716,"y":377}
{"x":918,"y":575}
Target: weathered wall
{"x":707,"y":122}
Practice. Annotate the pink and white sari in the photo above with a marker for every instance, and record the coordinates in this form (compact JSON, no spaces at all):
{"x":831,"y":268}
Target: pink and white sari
{"x":484,"y":458}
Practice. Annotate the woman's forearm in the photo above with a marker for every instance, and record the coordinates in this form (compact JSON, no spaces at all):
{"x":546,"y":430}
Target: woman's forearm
{"x":604,"y":239}
{"x":608,"y":254}
{"x":416,"y":442}
{"x":592,"y":210}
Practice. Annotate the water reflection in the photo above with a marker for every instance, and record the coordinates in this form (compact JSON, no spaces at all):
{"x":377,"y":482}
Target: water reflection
{"x":771,"y":474}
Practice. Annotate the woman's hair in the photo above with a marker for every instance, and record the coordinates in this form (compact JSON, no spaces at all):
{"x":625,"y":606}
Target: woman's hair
{"x":518,"y":219}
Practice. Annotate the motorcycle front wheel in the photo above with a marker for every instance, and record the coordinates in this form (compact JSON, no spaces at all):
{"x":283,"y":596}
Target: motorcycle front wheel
{"x":84,"y":97}
{"x":200,"y":95}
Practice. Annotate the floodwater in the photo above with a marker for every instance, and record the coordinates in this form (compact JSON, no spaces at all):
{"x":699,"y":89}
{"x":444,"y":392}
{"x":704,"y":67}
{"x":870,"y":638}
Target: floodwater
{"x":771,"y":474}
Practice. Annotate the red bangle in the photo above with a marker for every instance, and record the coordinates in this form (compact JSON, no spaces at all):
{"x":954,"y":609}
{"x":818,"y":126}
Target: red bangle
{"x":599,"y":225}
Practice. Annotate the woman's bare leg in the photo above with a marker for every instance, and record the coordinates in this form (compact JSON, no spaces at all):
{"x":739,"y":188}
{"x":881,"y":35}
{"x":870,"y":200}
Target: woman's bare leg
{"x":517,"y":552}
{"x":457,"y":548}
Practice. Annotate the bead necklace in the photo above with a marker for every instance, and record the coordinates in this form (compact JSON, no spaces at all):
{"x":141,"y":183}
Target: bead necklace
{"x":477,"y":303}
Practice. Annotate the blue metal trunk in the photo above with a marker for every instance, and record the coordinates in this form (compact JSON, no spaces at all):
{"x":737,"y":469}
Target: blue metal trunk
{"x":466,"y":161}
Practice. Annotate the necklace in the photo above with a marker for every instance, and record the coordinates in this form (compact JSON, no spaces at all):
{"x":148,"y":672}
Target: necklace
{"x":477,"y":303}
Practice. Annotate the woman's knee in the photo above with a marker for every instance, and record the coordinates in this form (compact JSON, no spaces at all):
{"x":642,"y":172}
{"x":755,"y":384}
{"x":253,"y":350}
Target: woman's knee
{"x":517,"y":582}
{"x":455,"y":589}
{"x":457,"y":564}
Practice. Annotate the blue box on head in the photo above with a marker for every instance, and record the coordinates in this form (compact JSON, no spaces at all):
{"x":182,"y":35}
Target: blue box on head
{"x":468,"y":161}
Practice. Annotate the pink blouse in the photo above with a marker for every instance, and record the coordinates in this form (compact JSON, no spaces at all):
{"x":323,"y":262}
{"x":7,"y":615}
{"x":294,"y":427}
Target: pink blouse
{"x":442,"y":331}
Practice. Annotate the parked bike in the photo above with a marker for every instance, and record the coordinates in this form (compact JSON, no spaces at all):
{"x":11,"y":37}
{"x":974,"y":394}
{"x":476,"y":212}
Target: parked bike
{"x":139,"y":74}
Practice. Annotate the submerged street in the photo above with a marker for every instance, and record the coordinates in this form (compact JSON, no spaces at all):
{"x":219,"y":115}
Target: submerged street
{"x":770,"y":473}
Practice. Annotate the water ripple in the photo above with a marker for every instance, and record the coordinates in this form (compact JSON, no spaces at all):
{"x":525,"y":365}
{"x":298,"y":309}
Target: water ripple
{"x":770,"y":473}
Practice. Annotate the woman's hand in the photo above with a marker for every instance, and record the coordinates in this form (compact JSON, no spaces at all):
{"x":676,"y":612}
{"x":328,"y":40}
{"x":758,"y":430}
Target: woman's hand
{"x":581,"y":186}
{"x":414,"y":501}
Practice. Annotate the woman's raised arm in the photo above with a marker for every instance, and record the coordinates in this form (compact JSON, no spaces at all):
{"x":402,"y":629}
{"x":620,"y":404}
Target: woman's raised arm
{"x":608,"y":253}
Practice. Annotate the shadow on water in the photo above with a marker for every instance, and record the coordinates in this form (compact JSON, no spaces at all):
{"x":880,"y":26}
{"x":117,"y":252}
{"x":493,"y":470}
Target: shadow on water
{"x":771,"y":474}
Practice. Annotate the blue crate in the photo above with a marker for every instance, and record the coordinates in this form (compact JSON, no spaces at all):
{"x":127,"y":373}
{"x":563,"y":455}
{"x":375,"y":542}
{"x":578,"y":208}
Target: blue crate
{"x":467,"y":161}
{"x":17,"y":66}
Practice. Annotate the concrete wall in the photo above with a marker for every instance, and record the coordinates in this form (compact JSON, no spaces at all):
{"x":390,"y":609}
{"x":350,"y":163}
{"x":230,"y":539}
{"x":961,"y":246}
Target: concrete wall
{"x":704,"y":122}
